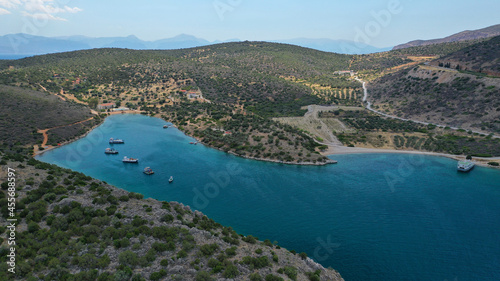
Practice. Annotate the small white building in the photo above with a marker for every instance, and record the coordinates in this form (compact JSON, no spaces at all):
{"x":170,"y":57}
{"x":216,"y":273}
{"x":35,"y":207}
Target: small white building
{"x":108,"y":105}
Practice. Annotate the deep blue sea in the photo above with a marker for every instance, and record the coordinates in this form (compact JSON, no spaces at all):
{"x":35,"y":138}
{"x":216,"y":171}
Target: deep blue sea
{"x":371,"y":216}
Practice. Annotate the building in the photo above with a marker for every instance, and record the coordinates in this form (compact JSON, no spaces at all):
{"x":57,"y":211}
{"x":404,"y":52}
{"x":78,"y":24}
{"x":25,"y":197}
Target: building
{"x":108,"y":105}
{"x":344,"y":72}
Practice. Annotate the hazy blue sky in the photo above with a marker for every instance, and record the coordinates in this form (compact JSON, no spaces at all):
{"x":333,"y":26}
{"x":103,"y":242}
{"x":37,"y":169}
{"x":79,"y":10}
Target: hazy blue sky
{"x":380,"y":23}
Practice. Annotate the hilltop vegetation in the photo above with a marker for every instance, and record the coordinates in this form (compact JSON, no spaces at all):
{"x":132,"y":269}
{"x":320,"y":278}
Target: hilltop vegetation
{"x":481,"y":58}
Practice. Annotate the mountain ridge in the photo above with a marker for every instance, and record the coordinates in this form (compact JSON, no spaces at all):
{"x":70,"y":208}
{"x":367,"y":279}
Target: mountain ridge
{"x":490,"y":31}
{"x":21,"y":43}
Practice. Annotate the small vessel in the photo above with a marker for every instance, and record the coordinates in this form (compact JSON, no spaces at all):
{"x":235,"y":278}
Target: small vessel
{"x":115,"y":141}
{"x":465,"y":165}
{"x":111,"y":151}
{"x":130,"y":160}
{"x":148,"y":171}
{"x":171,"y":179}
{"x":165,"y":126}
{"x":193,"y":142}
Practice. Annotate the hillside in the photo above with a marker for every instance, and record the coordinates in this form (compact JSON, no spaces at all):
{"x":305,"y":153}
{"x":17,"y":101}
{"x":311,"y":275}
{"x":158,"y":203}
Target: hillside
{"x":72,"y":227}
{"x":479,"y":58}
{"x":23,"y":112}
{"x":238,"y":82}
{"x":444,"y":95}
{"x":487,"y":32}
{"x":228,"y":96}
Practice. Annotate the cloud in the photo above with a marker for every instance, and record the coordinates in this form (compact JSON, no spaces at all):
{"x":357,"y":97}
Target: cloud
{"x":4,"y":12}
{"x":38,"y":9}
{"x":43,"y":16}
{"x":9,"y":4}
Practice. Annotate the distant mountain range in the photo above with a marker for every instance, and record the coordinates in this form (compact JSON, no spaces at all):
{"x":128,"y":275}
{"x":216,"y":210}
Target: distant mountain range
{"x":487,"y":32}
{"x":25,"y":44}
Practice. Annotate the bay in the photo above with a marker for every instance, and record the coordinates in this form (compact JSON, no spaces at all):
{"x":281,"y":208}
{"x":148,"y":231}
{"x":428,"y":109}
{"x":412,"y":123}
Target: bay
{"x":371,"y":216}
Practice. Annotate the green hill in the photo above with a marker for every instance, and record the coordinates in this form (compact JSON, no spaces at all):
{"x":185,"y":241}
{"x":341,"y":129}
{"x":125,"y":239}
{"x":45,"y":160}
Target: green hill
{"x":481,"y":58}
{"x":442,"y":93}
{"x":23,"y":112}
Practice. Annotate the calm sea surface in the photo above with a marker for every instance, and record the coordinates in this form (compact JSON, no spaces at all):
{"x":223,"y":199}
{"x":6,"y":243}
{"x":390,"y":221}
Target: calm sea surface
{"x":371,"y":216}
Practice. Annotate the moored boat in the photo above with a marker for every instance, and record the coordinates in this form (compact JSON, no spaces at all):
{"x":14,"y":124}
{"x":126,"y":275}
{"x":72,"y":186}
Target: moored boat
{"x":111,"y":151}
{"x":465,"y":165}
{"x":130,"y":160}
{"x":148,"y":171}
{"x":115,"y":141}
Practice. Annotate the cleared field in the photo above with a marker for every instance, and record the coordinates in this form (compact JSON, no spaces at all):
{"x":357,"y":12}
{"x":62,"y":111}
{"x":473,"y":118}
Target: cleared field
{"x":320,"y":128}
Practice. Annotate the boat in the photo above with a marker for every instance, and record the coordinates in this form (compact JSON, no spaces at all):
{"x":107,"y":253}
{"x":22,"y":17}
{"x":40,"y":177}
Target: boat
{"x":148,"y":171}
{"x":111,"y":151}
{"x":115,"y":141}
{"x":130,"y":160}
{"x":171,"y":179}
{"x":465,"y":165}
{"x":165,"y":126}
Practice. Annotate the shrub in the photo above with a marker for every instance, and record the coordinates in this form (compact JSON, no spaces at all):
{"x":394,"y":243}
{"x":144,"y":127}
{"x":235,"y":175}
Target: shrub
{"x":250,"y":239}
{"x":291,"y":272}
{"x":496,"y":164}
{"x":231,"y":271}
{"x":256,"y":262}
{"x":158,"y":275}
{"x":208,"y":249}
{"x":231,"y":251}
{"x":303,"y":255}
{"x":203,"y":276}
{"x":314,"y":276}
{"x":271,"y":277}
{"x":128,"y":258}
{"x":255,"y":277}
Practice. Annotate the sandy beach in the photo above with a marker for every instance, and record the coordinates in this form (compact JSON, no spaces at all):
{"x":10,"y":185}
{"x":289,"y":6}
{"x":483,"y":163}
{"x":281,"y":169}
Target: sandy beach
{"x":338,"y":150}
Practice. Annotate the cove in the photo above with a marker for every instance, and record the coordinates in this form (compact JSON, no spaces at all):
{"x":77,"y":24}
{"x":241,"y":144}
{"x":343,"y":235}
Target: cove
{"x":371,"y":216}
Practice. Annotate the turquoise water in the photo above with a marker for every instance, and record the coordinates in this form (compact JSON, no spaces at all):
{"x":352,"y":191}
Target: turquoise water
{"x":371,"y":216}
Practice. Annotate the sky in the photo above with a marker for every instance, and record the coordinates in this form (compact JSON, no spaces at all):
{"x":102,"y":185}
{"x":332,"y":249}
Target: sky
{"x":380,"y":23}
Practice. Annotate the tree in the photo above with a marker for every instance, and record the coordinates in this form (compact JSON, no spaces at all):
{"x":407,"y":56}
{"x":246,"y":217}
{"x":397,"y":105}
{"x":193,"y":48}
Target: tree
{"x":203,"y":276}
{"x":128,"y":258}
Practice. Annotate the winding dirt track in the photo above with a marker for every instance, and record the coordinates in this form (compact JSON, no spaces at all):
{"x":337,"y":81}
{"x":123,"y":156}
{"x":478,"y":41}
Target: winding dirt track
{"x":45,"y":131}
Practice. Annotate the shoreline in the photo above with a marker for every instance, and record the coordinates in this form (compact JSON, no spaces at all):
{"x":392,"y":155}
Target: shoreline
{"x":331,"y":151}
{"x":328,"y":162}
{"x":37,"y":151}
{"x":342,"y":150}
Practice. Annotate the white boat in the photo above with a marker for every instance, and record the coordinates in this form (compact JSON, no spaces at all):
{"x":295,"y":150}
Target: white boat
{"x":465,"y":165}
{"x":130,"y":160}
{"x":171,"y":179}
{"x":111,"y":151}
{"x":115,"y":141}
